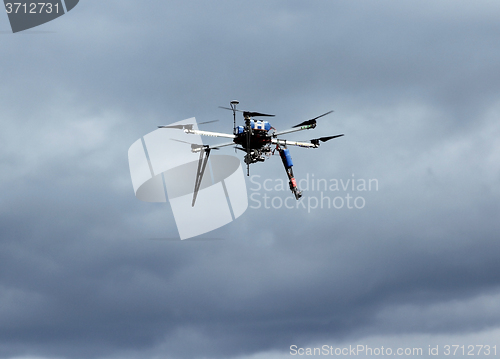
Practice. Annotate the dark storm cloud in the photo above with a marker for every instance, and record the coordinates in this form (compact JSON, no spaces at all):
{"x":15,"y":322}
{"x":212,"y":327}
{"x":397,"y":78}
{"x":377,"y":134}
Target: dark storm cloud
{"x":414,"y":88}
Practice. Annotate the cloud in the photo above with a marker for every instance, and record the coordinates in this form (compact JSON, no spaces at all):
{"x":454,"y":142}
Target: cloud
{"x":415,"y":92}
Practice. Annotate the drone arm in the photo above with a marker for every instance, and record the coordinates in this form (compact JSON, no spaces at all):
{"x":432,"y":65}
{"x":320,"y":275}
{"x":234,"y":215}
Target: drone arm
{"x":278,"y":141}
{"x":314,"y":143}
{"x":212,"y":147}
{"x":208,"y":133}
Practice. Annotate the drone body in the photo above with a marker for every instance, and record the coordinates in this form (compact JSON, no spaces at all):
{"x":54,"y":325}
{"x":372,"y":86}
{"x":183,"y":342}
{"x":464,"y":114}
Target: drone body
{"x":257,"y":139}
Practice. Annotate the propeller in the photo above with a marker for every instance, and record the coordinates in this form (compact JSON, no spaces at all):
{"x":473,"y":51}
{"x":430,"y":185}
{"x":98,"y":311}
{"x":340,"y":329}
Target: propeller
{"x":195,"y":145}
{"x":324,"y":139}
{"x":248,"y":113}
{"x":312,"y":121}
{"x":188,"y":126}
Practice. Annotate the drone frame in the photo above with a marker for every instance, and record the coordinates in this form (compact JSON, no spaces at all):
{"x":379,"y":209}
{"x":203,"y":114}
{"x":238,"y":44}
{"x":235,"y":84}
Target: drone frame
{"x":248,"y":133}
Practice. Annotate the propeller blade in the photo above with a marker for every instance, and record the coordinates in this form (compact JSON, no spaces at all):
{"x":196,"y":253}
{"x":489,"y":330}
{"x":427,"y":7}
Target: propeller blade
{"x":193,"y":145}
{"x":248,"y":113}
{"x":324,"y":139}
{"x":256,"y":114}
{"x":188,"y":126}
{"x":230,"y":109}
{"x":202,"y":123}
{"x":189,"y":143}
{"x":312,"y":121}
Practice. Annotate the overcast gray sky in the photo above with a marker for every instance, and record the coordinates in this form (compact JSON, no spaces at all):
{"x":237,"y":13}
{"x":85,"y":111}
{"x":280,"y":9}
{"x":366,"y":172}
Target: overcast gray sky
{"x":416,"y":89}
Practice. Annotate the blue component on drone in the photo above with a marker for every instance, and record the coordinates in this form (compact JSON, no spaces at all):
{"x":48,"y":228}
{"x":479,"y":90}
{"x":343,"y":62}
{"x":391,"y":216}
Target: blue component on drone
{"x":287,"y":158}
{"x":260,"y":125}
{"x":240,"y":129}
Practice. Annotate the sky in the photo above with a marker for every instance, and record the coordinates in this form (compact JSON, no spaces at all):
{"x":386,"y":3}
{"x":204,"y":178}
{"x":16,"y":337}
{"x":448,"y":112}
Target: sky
{"x":88,"y":271}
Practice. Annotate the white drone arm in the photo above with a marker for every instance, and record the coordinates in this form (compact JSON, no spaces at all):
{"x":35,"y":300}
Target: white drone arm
{"x":207,"y":133}
{"x":212,"y":147}
{"x":293,"y":143}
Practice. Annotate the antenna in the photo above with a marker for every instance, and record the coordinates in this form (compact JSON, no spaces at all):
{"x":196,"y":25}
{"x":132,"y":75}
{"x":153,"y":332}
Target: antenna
{"x":233,"y":107}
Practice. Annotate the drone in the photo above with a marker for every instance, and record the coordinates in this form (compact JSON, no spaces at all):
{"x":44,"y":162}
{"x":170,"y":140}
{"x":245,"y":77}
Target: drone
{"x":257,"y":138}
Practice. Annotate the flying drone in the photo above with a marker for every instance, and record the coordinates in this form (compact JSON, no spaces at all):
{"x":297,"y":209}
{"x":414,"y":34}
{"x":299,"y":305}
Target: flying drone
{"x":257,"y":139}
